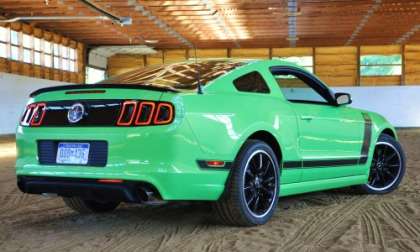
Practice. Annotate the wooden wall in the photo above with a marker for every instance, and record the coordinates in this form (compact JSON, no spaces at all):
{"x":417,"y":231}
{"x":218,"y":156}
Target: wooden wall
{"x":121,"y":63}
{"x":32,"y":70}
{"x":337,"y":66}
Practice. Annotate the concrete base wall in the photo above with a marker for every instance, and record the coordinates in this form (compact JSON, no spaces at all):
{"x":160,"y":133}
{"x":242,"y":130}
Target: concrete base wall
{"x":399,"y":104}
{"x":14,"y":94}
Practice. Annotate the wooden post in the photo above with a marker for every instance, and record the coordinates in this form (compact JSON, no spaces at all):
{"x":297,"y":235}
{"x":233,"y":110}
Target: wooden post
{"x":314,"y":59}
{"x":402,"y":65}
{"x":358,"y":67}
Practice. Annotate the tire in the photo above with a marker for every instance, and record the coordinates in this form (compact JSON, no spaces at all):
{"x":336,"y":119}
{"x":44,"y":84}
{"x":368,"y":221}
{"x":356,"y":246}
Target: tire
{"x":260,"y":189}
{"x":394,"y":152}
{"x":89,"y":206}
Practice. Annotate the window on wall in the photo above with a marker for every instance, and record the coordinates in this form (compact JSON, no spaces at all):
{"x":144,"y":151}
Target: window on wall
{"x":380,"y":65}
{"x":27,"y":48}
{"x":14,"y":48}
{"x":306,"y":62}
{"x":4,"y":39}
{"x":94,"y":75}
{"x":47,"y":54}
{"x":18,"y":46}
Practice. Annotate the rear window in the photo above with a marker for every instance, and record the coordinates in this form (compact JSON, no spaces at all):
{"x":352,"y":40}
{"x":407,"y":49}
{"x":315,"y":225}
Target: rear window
{"x":177,"y":75}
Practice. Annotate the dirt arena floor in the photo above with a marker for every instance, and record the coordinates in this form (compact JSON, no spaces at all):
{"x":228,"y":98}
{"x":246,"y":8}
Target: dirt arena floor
{"x":335,"y":220}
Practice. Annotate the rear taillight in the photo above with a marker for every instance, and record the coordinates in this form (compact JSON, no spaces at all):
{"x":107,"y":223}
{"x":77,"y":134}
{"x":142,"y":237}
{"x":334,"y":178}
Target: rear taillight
{"x":33,"y":115}
{"x":145,"y":113}
{"x":127,"y":113}
{"x":142,"y":113}
{"x":164,"y":114}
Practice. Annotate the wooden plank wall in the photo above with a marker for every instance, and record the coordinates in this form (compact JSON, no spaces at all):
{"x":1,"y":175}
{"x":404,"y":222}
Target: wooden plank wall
{"x":337,"y":66}
{"x":32,"y":70}
{"x":121,"y":63}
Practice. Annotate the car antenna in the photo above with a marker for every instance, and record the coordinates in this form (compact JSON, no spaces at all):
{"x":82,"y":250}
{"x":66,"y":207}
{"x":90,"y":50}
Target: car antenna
{"x":199,"y":87}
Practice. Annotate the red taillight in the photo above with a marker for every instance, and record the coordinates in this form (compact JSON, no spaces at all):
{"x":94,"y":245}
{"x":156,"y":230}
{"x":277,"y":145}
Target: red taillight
{"x":127,"y":113}
{"x":142,"y":113}
{"x":145,"y":113}
{"x":34,"y":114}
{"x":38,"y":115}
{"x":164,"y":114}
{"x":110,"y":181}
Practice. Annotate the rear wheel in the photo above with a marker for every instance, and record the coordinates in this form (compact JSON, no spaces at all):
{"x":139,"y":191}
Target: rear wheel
{"x":89,"y":206}
{"x":252,"y":189}
{"x":387,"y":168}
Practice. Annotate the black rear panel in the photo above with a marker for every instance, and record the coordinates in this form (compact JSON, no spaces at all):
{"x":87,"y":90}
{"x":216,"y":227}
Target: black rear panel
{"x":98,"y":152}
{"x":97,"y":113}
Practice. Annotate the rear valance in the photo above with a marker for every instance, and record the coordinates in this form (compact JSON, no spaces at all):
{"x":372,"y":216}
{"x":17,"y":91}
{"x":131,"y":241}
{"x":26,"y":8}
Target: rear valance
{"x":103,"y":86}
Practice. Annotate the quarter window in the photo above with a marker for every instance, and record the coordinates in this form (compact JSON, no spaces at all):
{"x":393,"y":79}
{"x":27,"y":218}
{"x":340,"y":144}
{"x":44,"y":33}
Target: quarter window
{"x":252,"y":82}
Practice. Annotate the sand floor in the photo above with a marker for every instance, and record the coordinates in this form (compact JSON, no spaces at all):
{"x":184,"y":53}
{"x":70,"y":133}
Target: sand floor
{"x":337,"y":220}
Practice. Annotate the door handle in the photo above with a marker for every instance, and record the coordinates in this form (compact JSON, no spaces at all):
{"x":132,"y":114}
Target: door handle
{"x":306,"y":118}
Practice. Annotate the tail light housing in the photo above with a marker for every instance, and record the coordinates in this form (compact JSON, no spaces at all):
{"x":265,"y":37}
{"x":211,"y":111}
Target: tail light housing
{"x":33,"y":115}
{"x":128,"y":111}
{"x":143,"y":113}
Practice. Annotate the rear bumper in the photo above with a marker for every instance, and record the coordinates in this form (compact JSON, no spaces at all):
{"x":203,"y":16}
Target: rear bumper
{"x":162,"y":156}
{"x":124,"y":191}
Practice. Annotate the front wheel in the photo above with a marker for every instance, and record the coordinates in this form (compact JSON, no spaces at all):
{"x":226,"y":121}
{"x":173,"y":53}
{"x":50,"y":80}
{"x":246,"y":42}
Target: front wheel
{"x":387,"y":168}
{"x":252,"y":189}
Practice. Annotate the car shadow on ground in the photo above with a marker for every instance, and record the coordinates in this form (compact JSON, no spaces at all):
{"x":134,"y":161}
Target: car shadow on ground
{"x":174,"y":213}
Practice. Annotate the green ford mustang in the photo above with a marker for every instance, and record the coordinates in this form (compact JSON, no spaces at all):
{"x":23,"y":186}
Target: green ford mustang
{"x":238,"y":133}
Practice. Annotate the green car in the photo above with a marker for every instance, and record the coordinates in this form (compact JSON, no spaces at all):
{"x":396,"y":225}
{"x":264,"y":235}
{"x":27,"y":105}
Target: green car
{"x":240,"y":134}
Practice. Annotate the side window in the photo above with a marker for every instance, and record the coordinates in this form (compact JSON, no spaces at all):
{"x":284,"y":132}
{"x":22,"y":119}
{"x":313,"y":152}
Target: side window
{"x":251,"y":82}
{"x":298,"y":88}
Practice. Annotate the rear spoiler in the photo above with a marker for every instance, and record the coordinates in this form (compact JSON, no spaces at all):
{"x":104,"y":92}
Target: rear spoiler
{"x":107,"y":86}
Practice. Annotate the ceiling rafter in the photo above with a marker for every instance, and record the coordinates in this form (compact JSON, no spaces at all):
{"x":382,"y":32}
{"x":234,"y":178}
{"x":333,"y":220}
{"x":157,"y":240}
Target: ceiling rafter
{"x":292,"y":30}
{"x":406,"y":36}
{"x":262,"y":23}
{"x":375,"y":6}
{"x":159,"y":22}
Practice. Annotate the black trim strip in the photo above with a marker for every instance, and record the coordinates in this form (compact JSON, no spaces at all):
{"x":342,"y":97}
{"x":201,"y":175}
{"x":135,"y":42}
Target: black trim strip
{"x":95,"y":86}
{"x":292,"y":164}
{"x":320,"y":163}
{"x":367,"y":135}
{"x":203,"y":165}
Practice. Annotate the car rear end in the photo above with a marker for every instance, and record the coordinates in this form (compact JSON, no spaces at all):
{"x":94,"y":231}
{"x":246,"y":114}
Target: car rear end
{"x":112,"y":142}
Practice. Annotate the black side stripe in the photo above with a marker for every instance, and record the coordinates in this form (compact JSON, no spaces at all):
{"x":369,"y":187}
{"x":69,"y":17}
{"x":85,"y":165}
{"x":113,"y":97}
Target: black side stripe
{"x":367,"y":135}
{"x":320,"y":163}
{"x":366,"y":139}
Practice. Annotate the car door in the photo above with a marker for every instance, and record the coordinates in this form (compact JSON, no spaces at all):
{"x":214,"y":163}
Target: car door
{"x":330,"y":136}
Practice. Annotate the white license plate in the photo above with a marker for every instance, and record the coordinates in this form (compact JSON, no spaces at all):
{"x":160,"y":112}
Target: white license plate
{"x":73,"y":153}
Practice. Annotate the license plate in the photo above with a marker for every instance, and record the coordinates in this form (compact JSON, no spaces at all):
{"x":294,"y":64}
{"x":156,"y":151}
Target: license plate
{"x":73,"y":153}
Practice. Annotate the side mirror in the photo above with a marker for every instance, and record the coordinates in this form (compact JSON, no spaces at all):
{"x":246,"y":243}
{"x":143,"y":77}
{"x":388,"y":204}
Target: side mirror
{"x":342,"y":98}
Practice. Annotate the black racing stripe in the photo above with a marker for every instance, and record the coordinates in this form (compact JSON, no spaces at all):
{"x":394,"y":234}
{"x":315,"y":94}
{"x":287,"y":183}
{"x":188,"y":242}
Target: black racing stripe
{"x":327,"y":163}
{"x":320,"y":163}
{"x":367,"y":135}
{"x":292,"y":164}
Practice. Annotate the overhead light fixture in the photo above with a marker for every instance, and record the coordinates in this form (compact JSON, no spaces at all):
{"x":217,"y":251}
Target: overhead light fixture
{"x":120,"y":20}
{"x":151,"y":41}
{"x":293,"y":14}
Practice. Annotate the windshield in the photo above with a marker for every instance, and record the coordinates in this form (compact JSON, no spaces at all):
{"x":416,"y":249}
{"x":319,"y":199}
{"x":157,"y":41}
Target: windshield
{"x":177,"y":75}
